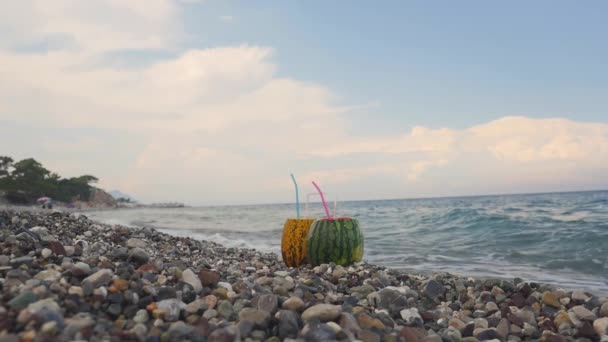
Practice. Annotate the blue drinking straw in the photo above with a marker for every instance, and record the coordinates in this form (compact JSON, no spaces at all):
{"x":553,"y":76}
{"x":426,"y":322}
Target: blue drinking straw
{"x":297,"y":196}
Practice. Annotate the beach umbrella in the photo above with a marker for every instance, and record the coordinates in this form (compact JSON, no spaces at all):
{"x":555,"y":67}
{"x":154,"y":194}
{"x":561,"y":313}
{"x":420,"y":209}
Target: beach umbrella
{"x":43,"y":199}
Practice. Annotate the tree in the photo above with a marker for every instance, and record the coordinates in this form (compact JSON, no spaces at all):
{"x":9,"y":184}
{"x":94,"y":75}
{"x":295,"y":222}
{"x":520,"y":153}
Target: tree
{"x":5,"y":165}
{"x":5,"y":175}
{"x":27,"y":180}
{"x":86,"y":179}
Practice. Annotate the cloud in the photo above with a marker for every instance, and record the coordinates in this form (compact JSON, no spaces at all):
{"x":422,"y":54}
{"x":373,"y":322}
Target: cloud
{"x":200,"y":112}
{"x":92,"y":26}
{"x":227,"y":18}
{"x":511,"y":145}
{"x":218,"y":124}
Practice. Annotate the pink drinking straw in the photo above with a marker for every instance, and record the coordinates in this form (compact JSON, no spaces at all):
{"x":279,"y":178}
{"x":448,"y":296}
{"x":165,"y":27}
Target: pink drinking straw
{"x":323,"y":200}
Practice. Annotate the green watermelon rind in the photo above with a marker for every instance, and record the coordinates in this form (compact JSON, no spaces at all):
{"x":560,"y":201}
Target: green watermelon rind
{"x":339,"y":241}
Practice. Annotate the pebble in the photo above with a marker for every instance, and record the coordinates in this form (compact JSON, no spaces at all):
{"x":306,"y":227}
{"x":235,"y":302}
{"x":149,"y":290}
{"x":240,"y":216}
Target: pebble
{"x":178,"y":329}
{"x":225,"y":285}
{"x":225,"y":309}
{"x":322,"y":312}
{"x":349,"y":323}
{"x":80,"y":268}
{"x":293,"y":303}
{"x":24,"y":260}
{"x":136,"y":243}
{"x":22,"y":300}
{"x":321,"y":332}
{"x":139,"y":256}
{"x":99,"y":278}
{"x":190,"y":278}
{"x":457,"y":324}
{"x":601,"y":326}
{"x":434,"y":289}
{"x":551,"y":299}
{"x":411,"y":316}
{"x":5,"y":260}
{"x":579,"y":296}
{"x":140,"y":284}
{"x":49,"y":328}
{"x":44,"y":304}
{"x":503,"y":328}
{"x":48,"y":275}
{"x":171,"y":309}
{"x":583,"y":313}
{"x":77,"y":290}
{"x":141,"y":316}
{"x":258,"y":317}
{"x":69,"y":250}
{"x":45,"y":253}
{"x":209,"y":278}
{"x":604,"y":310}
{"x":288,"y":324}
{"x":266,"y":302}
{"x":57,"y":248}
{"x":367,"y":322}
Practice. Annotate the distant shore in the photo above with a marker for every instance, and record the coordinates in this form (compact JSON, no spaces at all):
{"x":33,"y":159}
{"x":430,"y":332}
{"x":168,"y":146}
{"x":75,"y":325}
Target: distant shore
{"x":66,"y":277}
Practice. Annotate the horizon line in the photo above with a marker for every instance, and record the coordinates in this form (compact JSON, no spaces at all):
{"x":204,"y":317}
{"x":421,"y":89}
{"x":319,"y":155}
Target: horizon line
{"x":411,"y":198}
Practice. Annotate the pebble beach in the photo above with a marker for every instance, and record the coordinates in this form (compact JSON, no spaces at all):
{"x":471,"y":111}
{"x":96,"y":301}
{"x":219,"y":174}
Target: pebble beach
{"x":65,"y":277}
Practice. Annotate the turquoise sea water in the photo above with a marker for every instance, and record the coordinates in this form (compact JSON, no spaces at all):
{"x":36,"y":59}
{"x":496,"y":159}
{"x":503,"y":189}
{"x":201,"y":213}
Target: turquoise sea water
{"x":559,"y":238}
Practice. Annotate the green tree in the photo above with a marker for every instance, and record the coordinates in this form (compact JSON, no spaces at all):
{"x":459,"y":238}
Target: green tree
{"x":5,"y":164}
{"x":27,"y":180}
{"x":5,"y":173}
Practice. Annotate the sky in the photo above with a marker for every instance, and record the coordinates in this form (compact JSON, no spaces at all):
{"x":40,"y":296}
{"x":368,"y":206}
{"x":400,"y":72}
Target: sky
{"x":216,"y":102}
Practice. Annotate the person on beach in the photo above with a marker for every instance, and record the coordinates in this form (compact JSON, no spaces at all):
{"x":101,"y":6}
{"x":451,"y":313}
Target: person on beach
{"x":47,"y":203}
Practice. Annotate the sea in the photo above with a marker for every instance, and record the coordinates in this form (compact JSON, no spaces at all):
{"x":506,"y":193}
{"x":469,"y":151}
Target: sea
{"x":559,"y":239}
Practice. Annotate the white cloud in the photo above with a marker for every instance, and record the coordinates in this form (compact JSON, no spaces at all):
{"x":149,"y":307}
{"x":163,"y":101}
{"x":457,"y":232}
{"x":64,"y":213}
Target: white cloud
{"x":529,"y":148}
{"x":199,"y":113}
{"x":92,"y":26}
{"x":218,"y":125}
{"x":227,"y":18}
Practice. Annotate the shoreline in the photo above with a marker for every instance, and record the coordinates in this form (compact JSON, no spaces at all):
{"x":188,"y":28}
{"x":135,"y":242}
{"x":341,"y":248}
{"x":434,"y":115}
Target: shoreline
{"x":141,"y":284}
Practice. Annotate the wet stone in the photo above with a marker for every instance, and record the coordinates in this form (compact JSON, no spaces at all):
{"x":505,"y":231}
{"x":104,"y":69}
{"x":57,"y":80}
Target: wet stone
{"x":25,"y":260}
{"x":209,"y":278}
{"x":225,"y":309}
{"x":322,"y":312}
{"x":190,"y":278}
{"x":293,"y":303}
{"x":321,"y":332}
{"x":23,"y":300}
{"x":99,"y":278}
{"x":266,"y":302}
{"x":583,"y":313}
{"x":245,"y":328}
{"x":120,"y":253}
{"x":139,"y":256}
{"x":288,"y":324}
{"x":258,"y":317}
{"x":434,"y":289}
{"x":56,"y":247}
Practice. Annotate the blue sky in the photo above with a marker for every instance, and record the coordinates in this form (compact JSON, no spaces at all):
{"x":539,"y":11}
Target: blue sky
{"x":213,"y":102}
{"x":482,"y":59}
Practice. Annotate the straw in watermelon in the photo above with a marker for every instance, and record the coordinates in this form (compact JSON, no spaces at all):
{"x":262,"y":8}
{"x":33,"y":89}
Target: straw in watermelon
{"x":323,"y":200}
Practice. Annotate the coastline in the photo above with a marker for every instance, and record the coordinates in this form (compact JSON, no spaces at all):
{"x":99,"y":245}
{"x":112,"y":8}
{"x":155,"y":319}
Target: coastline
{"x":79,"y":279}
